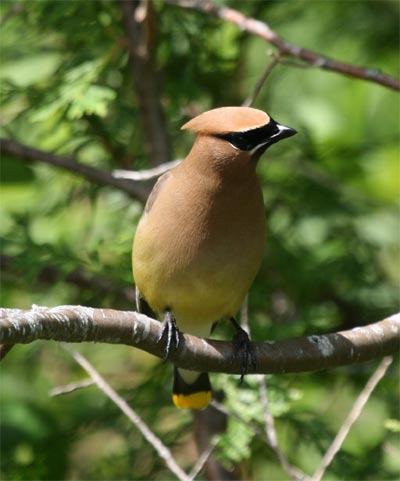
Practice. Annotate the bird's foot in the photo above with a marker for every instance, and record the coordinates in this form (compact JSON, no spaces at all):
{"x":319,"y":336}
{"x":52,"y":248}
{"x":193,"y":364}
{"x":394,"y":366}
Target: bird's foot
{"x":242,"y":345}
{"x":170,"y":332}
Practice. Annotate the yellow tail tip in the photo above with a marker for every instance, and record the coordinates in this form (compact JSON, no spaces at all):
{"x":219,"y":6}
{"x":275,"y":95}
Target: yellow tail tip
{"x":198,"y":400}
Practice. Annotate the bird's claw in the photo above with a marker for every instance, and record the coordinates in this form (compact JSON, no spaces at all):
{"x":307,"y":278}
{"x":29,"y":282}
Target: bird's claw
{"x":242,"y":346}
{"x":171,"y":334}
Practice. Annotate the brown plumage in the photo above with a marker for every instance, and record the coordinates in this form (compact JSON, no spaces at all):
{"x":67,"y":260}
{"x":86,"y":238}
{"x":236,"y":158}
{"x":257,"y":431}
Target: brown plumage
{"x":201,"y":239}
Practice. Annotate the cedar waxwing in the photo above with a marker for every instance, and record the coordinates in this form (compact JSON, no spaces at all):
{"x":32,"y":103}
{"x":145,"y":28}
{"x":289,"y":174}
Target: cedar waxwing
{"x":201,"y":239}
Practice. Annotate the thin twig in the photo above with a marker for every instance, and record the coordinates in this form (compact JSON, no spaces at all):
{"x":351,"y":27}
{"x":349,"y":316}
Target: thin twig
{"x":252,"y":97}
{"x":264,"y":31}
{"x":270,"y":431}
{"x":293,"y":63}
{"x":352,"y":417}
{"x":208,"y":425}
{"x":150,"y":437}
{"x":146,"y":174}
{"x":71,"y":387}
{"x":98,"y":176}
{"x":203,"y":458}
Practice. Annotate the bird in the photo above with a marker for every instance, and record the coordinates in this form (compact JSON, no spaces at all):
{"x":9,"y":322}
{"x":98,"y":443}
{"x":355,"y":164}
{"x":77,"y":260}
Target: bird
{"x":201,"y":238}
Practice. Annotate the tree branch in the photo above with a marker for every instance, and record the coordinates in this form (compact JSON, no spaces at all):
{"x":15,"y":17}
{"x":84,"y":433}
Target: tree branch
{"x":49,"y":274}
{"x":146,"y":174}
{"x":311,"y":58}
{"x":311,"y":353}
{"x":92,"y":174}
{"x":138,"y":20}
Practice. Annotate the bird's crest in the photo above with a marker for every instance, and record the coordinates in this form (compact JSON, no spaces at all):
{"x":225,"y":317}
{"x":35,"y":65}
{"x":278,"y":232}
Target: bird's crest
{"x":227,"y":119}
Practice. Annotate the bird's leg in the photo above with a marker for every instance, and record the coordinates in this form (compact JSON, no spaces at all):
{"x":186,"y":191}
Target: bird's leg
{"x":242,"y":344}
{"x":171,"y":333}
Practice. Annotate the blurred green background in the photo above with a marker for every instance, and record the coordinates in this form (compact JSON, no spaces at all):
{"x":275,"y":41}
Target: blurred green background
{"x":332,"y":257}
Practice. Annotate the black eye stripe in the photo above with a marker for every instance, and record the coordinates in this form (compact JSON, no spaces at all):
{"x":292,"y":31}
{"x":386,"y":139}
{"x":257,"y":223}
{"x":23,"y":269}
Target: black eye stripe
{"x":248,"y":140}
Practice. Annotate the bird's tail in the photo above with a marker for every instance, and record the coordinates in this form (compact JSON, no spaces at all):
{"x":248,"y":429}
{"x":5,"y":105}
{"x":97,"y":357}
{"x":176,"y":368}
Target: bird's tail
{"x":191,"y":390}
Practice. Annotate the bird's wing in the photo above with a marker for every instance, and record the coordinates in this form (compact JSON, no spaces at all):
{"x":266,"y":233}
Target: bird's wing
{"x":156,"y":190}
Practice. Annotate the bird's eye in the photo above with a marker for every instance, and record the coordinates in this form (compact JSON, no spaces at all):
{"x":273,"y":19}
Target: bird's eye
{"x":239,"y":141}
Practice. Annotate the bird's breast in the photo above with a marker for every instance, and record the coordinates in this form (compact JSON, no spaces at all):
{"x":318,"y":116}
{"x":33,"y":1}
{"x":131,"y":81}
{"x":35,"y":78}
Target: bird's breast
{"x":197,"y":251}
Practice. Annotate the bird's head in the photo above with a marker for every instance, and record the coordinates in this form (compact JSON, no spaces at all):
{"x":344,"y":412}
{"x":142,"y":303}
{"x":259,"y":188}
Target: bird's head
{"x":237,"y":132}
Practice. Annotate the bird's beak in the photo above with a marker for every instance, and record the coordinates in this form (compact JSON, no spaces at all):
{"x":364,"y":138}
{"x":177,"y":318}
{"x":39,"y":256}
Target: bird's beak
{"x":283,"y":133}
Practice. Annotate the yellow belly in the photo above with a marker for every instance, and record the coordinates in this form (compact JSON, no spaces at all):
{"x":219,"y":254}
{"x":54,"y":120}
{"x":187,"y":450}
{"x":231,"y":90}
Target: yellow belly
{"x":201,"y":289}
